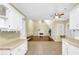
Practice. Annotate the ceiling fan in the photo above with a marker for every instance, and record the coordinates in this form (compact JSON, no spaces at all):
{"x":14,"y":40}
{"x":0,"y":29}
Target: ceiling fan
{"x":55,"y":15}
{"x":59,"y":14}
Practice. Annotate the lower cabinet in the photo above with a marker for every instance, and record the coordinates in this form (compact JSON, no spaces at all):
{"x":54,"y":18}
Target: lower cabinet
{"x":68,"y":49}
{"x":64,"y":48}
{"x":72,"y":50}
{"x":19,"y":50}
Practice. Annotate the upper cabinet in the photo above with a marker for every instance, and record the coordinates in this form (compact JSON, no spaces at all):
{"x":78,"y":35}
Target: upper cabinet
{"x":74,"y":18}
{"x":3,"y":18}
{"x":3,"y":11}
{"x":12,"y":18}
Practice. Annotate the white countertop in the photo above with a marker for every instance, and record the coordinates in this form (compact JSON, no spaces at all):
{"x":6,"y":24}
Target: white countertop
{"x":71,"y":41}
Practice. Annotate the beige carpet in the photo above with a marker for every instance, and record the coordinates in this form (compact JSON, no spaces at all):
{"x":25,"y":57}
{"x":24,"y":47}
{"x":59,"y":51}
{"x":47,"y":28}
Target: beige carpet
{"x":44,"y":48}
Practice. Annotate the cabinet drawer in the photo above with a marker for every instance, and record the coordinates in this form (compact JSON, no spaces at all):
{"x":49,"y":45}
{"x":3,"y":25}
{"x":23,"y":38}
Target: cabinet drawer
{"x":4,"y":52}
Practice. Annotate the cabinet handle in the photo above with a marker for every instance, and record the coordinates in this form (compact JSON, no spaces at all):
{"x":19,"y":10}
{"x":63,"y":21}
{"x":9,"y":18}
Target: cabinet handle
{"x":9,"y":25}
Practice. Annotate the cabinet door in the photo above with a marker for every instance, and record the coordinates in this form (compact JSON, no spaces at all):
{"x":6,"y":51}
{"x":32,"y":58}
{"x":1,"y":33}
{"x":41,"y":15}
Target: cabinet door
{"x":3,"y":18}
{"x":15,"y":16}
{"x":74,"y":18}
{"x":72,"y":50}
{"x":23,"y":49}
{"x":64,"y":48}
{"x":2,"y":23}
{"x":15,"y":19}
{"x":10,"y":19}
{"x":20,"y":50}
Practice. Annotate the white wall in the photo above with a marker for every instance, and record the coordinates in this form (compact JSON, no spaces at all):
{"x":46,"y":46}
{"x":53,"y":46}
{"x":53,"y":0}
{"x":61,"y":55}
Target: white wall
{"x":34,"y":27}
{"x":40,"y":27}
{"x":29,"y":27}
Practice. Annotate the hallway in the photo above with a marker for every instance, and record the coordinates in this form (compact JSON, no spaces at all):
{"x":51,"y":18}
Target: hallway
{"x":44,"y":48}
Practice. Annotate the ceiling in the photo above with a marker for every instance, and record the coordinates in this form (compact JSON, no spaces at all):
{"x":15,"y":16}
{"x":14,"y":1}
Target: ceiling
{"x":44,"y":10}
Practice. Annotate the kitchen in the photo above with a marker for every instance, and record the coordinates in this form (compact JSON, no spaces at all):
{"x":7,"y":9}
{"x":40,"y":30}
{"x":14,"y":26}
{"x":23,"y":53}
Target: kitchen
{"x":21,"y":26}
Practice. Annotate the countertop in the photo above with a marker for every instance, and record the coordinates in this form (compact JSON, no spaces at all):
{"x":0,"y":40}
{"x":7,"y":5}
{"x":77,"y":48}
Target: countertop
{"x":71,"y":41}
{"x":12,"y":45}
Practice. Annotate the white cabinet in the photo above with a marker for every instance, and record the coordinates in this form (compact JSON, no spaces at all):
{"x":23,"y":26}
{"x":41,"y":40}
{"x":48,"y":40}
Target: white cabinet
{"x":2,"y":23}
{"x":10,"y":19}
{"x":74,"y":18}
{"x":3,"y":18}
{"x":20,"y":50}
{"x":13,"y":19}
{"x":72,"y":50}
{"x":68,"y":49}
{"x":64,"y":48}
